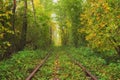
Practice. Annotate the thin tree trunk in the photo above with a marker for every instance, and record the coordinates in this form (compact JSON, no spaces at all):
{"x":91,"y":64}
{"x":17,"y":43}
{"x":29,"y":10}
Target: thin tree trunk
{"x":117,"y":48}
{"x":13,"y":11}
{"x":50,"y":32}
{"x":34,"y":12}
{"x":24,"y":28}
{"x":13,"y":25}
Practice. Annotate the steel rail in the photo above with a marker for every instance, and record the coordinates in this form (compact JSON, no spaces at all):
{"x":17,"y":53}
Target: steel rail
{"x":88,"y":73}
{"x":38,"y":67}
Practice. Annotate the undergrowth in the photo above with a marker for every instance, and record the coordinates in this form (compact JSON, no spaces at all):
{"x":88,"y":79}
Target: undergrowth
{"x":105,"y":66}
{"x":20,"y":65}
{"x":99,"y":64}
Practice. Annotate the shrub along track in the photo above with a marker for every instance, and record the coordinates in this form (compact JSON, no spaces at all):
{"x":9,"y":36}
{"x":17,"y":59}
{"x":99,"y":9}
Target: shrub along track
{"x":60,"y":66}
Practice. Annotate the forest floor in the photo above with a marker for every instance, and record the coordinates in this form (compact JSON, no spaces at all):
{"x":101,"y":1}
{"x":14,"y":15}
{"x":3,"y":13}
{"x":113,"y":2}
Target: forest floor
{"x":59,"y":65}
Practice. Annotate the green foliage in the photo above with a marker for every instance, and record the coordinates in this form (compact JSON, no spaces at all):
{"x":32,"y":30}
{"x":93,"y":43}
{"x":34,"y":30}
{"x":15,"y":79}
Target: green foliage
{"x":101,"y":24}
{"x":68,"y":13}
{"x":81,"y":22}
{"x":20,"y":65}
{"x":5,"y":26}
{"x":40,"y":37}
{"x":38,"y":30}
{"x":59,"y":65}
{"x":96,"y":64}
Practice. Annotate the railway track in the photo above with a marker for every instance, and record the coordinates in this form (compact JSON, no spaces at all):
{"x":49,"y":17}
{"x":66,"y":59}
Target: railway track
{"x":56,"y":68}
{"x":38,"y":67}
{"x":56,"y":63}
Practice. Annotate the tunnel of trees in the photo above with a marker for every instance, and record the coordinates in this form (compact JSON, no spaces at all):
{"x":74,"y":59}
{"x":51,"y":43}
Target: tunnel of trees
{"x":89,"y":26}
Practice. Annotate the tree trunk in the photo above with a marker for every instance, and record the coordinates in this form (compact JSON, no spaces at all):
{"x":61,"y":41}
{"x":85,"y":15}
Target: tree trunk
{"x":117,"y":48}
{"x":24,"y":28}
{"x":13,"y":11}
{"x":34,"y":12}
{"x":13,"y":26}
{"x":50,"y":32}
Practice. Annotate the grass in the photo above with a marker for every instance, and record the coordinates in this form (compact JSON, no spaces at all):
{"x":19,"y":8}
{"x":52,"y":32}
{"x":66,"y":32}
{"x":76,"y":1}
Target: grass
{"x":104,"y":66}
{"x":20,"y":65}
{"x":104,"y":69}
{"x":66,"y":69}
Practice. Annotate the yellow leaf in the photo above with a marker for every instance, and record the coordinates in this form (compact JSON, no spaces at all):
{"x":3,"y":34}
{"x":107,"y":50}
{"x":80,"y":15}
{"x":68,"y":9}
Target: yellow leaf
{"x":1,"y":36}
{"x":8,"y":44}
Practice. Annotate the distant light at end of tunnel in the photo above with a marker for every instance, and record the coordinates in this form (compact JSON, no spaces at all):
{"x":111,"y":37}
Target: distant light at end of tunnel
{"x":55,"y":1}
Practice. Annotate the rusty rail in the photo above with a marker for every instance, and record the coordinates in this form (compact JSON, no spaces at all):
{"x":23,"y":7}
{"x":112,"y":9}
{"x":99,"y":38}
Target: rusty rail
{"x":37,"y":68}
{"x":88,"y":73}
